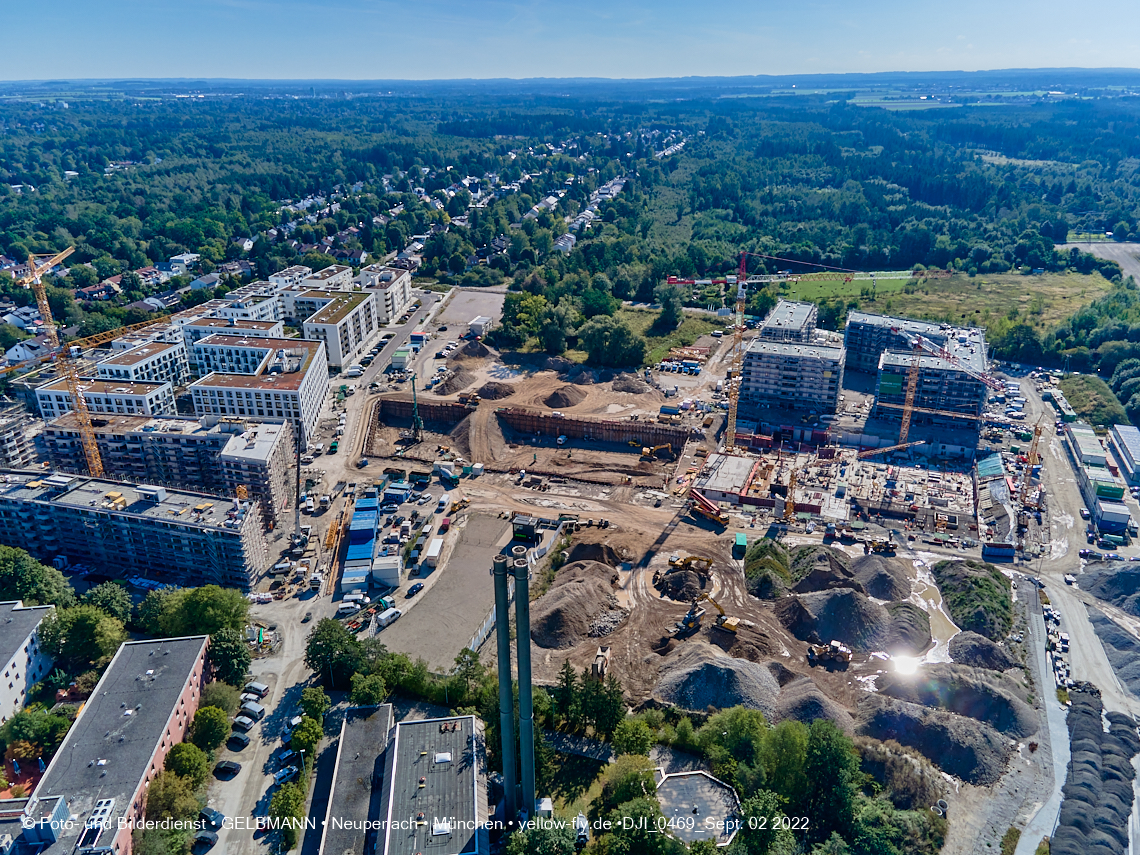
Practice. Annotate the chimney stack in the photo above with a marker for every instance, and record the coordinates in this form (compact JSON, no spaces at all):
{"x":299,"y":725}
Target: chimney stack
{"x":506,"y":696}
{"x":526,"y":698}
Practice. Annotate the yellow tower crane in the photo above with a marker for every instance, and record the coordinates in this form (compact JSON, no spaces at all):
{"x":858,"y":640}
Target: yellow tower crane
{"x":1031,"y":461}
{"x":736,"y":365}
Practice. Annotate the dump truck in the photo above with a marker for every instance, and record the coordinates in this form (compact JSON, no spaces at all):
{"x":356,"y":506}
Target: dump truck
{"x":833,"y":652}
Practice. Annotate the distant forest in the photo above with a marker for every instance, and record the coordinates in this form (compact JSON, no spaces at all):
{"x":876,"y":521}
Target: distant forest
{"x":811,"y":179}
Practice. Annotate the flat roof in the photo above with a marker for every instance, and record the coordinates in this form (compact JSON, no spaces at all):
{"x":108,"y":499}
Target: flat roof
{"x":108,"y":750}
{"x":704,"y":805}
{"x":142,"y":388}
{"x":795,"y":348}
{"x":149,"y":425}
{"x":1129,"y":437}
{"x":342,"y":304}
{"x":293,"y":270}
{"x":356,"y":799}
{"x":789,"y":314}
{"x":255,"y":444}
{"x":196,"y":510}
{"x":290,"y":381}
{"x":928,"y":329}
{"x":725,"y":473}
{"x":234,"y":323}
{"x":329,"y":272}
{"x":450,"y":763}
{"x":18,"y":621}
{"x":139,"y":354}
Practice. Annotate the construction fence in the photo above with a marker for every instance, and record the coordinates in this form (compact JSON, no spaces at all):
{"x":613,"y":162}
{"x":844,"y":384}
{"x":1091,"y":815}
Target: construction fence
{"x":596,"y":430}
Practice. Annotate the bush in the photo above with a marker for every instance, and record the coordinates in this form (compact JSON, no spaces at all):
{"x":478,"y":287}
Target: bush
{"x":632,"y":736}
{"x":907,"y":778}
{"x":221,"y":695}
{"x":188,"y":761}
{"x":210,"y":728}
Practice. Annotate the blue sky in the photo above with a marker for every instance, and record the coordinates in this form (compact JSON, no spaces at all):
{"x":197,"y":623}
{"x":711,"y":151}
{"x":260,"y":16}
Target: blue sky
{"x":434,"y":39}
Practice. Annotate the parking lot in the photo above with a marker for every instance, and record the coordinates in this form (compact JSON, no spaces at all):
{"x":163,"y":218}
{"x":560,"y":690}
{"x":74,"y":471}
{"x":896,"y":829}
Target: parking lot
{"x":467,"y":304}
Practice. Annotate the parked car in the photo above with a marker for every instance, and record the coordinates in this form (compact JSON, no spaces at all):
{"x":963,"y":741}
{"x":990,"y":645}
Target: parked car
{"x":237,"y":741}
{"x":286,"y":774}
{"x":227,"y":769}
{"x":243,"y":723}
{"x":415,"y":589}
{"x":213,"y":816}
{"x":203,"y":840}
{"x":1087,"y":553}
{"x":1085,"y":513}
{"x":286,"y":757}
{"x":390,"y":508}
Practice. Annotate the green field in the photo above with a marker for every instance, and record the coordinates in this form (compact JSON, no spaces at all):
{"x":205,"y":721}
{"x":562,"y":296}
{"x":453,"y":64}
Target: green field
{"x":657,"y":346}
{"x":1093,"y":400}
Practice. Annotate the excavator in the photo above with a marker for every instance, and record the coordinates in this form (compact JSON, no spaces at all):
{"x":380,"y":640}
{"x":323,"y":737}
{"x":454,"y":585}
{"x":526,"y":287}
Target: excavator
{"x":700,"y":566}
{"x":833,"y":652}
{"x":691,"y":622}
{"x":648,"y":453}
{"x":723,"y":621}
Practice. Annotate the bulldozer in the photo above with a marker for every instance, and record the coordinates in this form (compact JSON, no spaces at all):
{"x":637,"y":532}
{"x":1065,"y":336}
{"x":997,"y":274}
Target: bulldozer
{"x":833,"y":652}
{"x":459,"y":505}
{"x":879,"y":547}
{"x":648,"y":453}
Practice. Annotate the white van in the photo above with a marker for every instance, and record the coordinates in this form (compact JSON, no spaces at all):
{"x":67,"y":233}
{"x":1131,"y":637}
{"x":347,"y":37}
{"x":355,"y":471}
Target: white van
{"x":346,"y":609}
{"x":387,"y":618}
{"x":444,"y":503}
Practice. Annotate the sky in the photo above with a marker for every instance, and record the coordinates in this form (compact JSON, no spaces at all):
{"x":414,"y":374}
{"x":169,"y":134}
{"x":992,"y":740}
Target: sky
{"x":451,"y":39}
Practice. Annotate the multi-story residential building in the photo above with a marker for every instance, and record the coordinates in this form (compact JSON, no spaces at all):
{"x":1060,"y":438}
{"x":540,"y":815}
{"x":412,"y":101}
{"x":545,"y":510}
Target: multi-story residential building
{"x":211,"y":454}
{"x":791,"y":374}
{"x":790,"y":321}
{"x":25,"y":662}
{"x":107,"y":396}
{"x":290,"y":276}
{"x":335,"y":277}
{"x":93,"y":792}
{"x":392,"y":287}
{"x":867,"y":336}
{"x":202,"y":328}
{"x":262,"y":378}
{"x":346,"y":321}
{"x":172,"y":535}
{"x":17,"y":451}
{"x":949,"y":395}
{"x":155,"y":362}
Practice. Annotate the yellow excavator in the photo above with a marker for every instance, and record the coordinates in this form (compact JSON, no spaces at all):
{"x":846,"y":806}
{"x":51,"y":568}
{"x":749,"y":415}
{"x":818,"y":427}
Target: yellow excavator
{"x":723,"y":621}
{"x":691,"y":622}
{"x":648,"y":453}
{"x":695,"y":563}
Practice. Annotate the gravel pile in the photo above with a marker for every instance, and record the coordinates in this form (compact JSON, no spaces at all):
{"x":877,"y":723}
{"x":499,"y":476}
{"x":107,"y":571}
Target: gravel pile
{"x":630,"y":384}
{"x":964,"y":747}
{"x":565,"y":615}
{"x":801,"y":700}
{"x":967,"y":691}
{"x":459,"y":380}
{"x":607,"y":622}
{"x":843,"y":615}
{"x":910,"y":629}
{"x":1114,"y":583}
{"x":1122,"y":649}
{"x":583,"y":377}
{"x":558,"y":363}
{"x":822,"y":569}
{"x":472,"y":350}
{"x":1097,"y":796}
{"x":702,"y":676}
{"x":495,"y":391}
{"x":882,"y":578}
{"x":566,"y":396}
{"x":969,"y":648}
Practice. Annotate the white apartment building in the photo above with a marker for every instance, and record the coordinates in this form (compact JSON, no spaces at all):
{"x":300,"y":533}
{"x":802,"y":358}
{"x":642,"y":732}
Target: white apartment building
{"x":392,"y":287}
{"x":156,"y":361}
{"x":336,"y":277}
{"x":126,"y":397}
{"x":346,"y":321}
{"x":202,"y":328}
{"x":290,"y":276}
{"x":262,"y":379}
{"x":792,"y":375}
{"x":25,"y":662}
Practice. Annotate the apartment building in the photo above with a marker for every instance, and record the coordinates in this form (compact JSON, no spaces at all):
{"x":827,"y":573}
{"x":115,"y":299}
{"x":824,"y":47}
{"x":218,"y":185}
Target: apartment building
{"x":793,"y":375}
{"x":94,"y":788}
{"x":790,"y":321}
{"x":25,"y":662}
{"x":211,"y":454}
{"x":290,"y":276}
{"x":336,"y":277}
{"x":155,"y":362}
{"x":392,"y":287}
{"x":867,"y":336}
{"x":124,"y":397}
{"x":346,"y":321}
{"x":262,"y":378}
{"x":201,"y":328}
{"x":944,"y":387}
{"x":160,"y":533}
{"x":17,"y":450}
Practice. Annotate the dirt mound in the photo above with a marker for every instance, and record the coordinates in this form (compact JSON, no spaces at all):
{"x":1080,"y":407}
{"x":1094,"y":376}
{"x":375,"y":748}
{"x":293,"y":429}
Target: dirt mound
{"x":964,"y":747}
{"x":459,"y":380}
{"x":801,"y":700}
{"x":751,"y":643}
{"x":843,"y":615}
{"x":1113,"y":583}
{"x":702,"y":676}
{"x":580,"y":605}
{"x":583,"y":377}
{"x":563,"y":397}
{"x":910,"y":629}
{"x":966,"y":691}
{"x":472,"y":350}
{"x":882,"y":578}
{"x":558,"y":363}
{"x":977,"y":596}
{"x":822,"y":569}
{"x":969,"y":648}
{"x":631,"y":384}
{"x":494,"y":391}
{"x":1121,"y":648}
{"x":682,"y":585}
{"x":602,"y":553}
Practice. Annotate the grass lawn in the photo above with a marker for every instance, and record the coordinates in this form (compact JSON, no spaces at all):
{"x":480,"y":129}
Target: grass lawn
{"x":1093,"y":400}
{"x":576,"y":783}
{"x":657,"y":345}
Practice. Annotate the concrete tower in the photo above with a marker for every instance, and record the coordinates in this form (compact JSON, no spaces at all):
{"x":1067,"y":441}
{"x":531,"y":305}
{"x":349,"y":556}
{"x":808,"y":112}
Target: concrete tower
{"x":501,"y":573}
{"x":526,"y":698}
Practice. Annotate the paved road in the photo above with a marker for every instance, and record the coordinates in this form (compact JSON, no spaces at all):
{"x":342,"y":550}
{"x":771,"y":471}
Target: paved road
{"x":1127,"y":255}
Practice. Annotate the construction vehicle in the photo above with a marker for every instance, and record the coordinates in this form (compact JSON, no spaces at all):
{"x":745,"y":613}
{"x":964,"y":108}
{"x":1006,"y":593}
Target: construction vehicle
{"x":417,"y":422}
{"x":879,"y":547}
{"x":706,"y":508}
{"x":648,"y":453}
{"x":696,"y":563}
{"x":1031,"y":461}
{"x":601,"y":664}
{"x":790,"y":499}
{"x":471,"y":399}
{"x":723,"y":621}
{"x":458,"y":505}
{"x":875,"y":452}
{"x":691,"y":622}
{"x":833,"y":652}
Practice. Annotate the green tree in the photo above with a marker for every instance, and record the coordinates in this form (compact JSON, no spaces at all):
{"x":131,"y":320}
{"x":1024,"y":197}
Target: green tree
{"x":629,"y":777}
{"x":834,"y":845}
{"x":610,"y":343}
{"x":555,"y":323}
{"x":288,"y":807}
{"x":229,"y":656}
{"x":171,"y":796}
{"x":784,"y":755}
{"x":831,"y":768}
{"x":595,"y":302}
{"x":307,"y":736}
{"x":149,"y":613}
{"x":39,"y":728}
{"x":211,"y":608}
{"x":560,"y":839}
{"x":468,"y":669}
{"x":209,"y":728}
{"x":567,"y":704}
{"x":368,"y":690}
{"x":672,"y":300}
{"x":188,"y":761}
{"x":759,"y":823}
{"x":24,"y":578}
{"x":81,"y":635}
{"x":221,"y":695}
{"x":333,"y":652}
{"x":632,"y":736}
{"x":315,"y":703}
{"x":110,"y":597}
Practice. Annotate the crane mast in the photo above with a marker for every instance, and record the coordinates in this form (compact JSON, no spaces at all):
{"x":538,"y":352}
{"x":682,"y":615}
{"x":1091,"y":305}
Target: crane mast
{"x":736,"y":364}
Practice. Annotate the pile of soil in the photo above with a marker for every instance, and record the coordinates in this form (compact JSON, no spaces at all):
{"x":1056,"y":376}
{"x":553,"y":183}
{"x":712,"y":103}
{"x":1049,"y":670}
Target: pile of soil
{"x":558,"y":363}
{"x":583,"y":377}
{"x":1121,"y":648}
{"x":977,"y":596}
{"x":910,"y":629}
{"x":460,"y":379}
{"x":882,"y":578}
{"x":472,"y":350}
{"x":494,"y":391}
{"x":966,"y":691}
{"x":964,"y":747}
{"x":702,"y":676}
{"x":602,"y":553}
{"x":823,"y":569}
{"x":751,"y":643}
{"x":631,"y":384}
{"x":682,"y":585}
{"x":801,"y":700}
{"x":1098,"y":794}
{"x":1113,"y":583}
{"x":969,"y":648}
{"x":565,"y":615}
{"x":840,"y":615}
{"x":564,"y":397}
